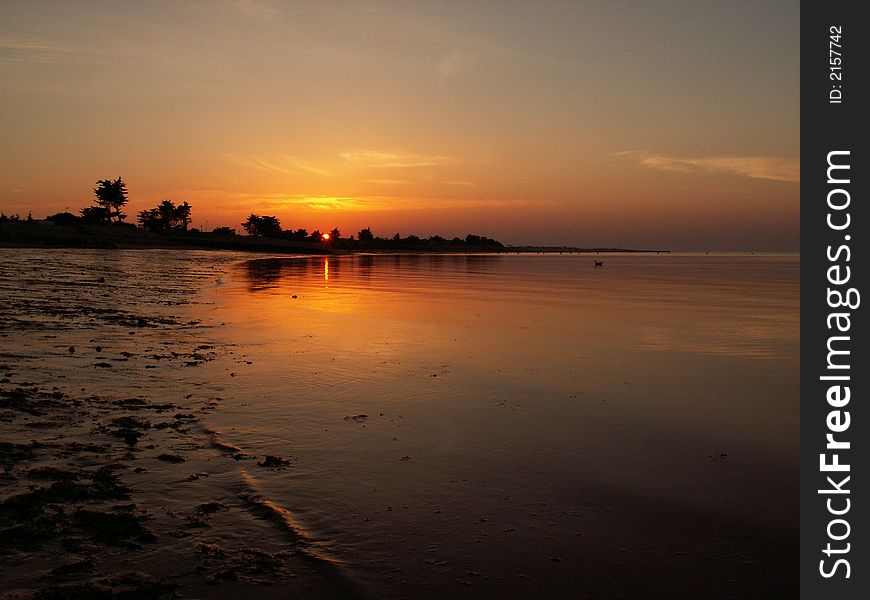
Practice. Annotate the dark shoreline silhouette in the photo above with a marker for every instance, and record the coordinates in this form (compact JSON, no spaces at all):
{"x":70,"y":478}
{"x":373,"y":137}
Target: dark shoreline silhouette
{"x":47,"y":234}
{"x":167,"y":225}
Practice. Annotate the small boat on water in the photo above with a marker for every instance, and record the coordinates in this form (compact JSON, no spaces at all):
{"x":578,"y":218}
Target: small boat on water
{"x":599,"y":263}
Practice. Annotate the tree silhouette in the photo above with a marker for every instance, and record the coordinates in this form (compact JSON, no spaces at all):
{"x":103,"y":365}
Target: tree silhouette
{"x":335,"y":234}
{"x":365,"y":235}
{"x":112,"y":196}
{"x":483,"y":241}
{"x":150,"y":219}
{"x":95,"y":214}
{"x":300,"y":234}
{"x":166,"y":217}
{"x":166,"y":213}
{"x":183,"y":215}
{"x":250,"y":224}
{"x":265,"y":226}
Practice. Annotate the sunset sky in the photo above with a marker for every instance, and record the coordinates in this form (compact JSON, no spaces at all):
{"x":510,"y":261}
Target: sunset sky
{"x":628,"y":123}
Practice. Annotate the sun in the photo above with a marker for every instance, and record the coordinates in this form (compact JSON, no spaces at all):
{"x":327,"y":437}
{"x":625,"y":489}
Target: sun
{"x":325,"y":237}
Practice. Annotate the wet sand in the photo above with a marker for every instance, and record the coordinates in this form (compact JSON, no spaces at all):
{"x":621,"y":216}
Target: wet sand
{"x":159,"y":439}
{"x":111,"y":482}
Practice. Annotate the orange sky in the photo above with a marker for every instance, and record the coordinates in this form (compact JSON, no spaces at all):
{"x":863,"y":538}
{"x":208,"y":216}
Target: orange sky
{"x":666,"y":124}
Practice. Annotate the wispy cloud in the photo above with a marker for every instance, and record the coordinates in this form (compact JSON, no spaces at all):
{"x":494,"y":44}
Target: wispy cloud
{"x":11,"y":43}
{"x":287,"y":165}
{"x":412,"y":182}
{"x":756,"y":167}
{"x":391,"y":181}
{"x":375,"y":203}
{"x":284,"y":204}
{"x":393,"y":159}
{"x":35,"y":50}
{"x":278,"y":201}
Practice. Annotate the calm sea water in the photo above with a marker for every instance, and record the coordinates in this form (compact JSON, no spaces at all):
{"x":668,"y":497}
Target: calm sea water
{"x":533,"y":422}
{"x":499,"y":425}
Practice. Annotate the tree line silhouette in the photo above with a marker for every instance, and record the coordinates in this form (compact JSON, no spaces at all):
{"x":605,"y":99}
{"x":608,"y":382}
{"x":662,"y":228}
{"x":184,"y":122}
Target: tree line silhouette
{"x":169,"y":218}
{"x":269,"y":226}
{"x":166,"y":217}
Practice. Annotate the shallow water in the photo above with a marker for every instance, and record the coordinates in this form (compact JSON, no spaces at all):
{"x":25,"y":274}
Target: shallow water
{"x":532,"y":398}
{"x":481,"y":426}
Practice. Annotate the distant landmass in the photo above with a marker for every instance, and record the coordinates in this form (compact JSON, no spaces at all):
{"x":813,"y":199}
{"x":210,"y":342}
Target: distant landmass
{"x":167,"y":225}
{"x":48,"y":233}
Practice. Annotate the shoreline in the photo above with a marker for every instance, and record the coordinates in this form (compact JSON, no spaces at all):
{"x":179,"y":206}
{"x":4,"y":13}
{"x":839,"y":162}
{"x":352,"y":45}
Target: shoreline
{"x":127,"y":237}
